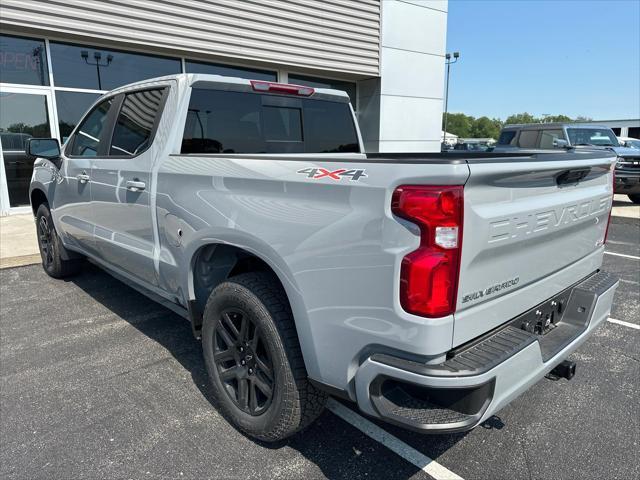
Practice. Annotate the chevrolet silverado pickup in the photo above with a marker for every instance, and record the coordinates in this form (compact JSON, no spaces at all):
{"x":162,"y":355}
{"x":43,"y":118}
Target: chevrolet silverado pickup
{"x":428,"y":289}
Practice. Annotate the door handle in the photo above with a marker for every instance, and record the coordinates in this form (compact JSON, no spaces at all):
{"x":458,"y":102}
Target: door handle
{"x":83,"y":177}
{"x":135,"y":185}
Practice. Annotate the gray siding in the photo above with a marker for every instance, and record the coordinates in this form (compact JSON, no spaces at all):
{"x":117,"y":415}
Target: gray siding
{"x":338,"y":35}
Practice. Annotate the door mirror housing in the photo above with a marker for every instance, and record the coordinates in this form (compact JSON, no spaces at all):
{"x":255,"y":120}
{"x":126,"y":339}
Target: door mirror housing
{"x":560,"y":143}
{"x":48,"y":148}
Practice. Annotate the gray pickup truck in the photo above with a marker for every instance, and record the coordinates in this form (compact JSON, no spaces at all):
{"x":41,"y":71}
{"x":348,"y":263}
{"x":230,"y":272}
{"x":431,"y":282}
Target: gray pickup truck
{"x":429,"y":289}
{"x":577,"y":136}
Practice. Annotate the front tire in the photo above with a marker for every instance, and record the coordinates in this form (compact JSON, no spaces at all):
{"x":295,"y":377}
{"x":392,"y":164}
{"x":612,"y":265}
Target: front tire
{"x":52,"y":251}
{"x":254,"y":361}
{"x":635,"y":198}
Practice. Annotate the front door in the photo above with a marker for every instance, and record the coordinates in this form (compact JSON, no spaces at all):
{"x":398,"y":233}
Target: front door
{"x":72,"y":209}
{"x":121,"y":186}
{"x":24,"y":113}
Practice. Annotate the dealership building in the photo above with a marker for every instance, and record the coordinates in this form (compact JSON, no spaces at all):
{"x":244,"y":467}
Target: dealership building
{"x":57,"y":57}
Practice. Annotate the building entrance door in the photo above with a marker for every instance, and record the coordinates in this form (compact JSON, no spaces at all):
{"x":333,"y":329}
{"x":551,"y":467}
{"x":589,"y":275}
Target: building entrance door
{"x":25,"y":112}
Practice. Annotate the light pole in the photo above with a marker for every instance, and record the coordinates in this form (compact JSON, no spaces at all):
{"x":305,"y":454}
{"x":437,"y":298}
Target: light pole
{"x":97,"y":56}
{"x":447,"y":57}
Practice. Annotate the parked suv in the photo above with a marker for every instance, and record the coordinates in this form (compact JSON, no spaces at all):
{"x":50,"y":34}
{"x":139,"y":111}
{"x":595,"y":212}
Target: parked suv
{"x":562,"y":135}
{"x":429,"y":289}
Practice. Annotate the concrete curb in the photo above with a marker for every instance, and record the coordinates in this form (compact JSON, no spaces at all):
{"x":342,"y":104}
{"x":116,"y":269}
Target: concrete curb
{"x":20,"y":261}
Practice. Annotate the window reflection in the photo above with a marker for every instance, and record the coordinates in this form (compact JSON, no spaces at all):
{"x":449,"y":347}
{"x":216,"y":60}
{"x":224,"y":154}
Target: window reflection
{"x":135,"y":122}
{"x":86,"y":142}
{"x":317,"y":82}
{"x":23,"y":60}
{"x":230,"y":71}
{"x":105,"y":69}
{"x":22,"y":116}
{"x":71,"y":107}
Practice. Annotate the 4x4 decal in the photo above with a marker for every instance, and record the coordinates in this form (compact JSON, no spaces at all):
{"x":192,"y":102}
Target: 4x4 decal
{"x":317,"y":173}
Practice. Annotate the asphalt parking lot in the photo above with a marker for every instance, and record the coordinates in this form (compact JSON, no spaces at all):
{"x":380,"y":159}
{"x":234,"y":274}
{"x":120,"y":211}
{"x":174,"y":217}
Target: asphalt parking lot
{"x":99,"y":382}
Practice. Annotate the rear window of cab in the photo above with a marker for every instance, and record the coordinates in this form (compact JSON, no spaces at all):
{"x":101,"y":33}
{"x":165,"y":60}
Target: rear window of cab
{"x":247,"y":123}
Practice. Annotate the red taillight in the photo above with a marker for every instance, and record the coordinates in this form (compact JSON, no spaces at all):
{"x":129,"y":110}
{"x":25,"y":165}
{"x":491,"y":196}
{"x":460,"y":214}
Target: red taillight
{"x":429,"y":275}
{"x":289,"y":89}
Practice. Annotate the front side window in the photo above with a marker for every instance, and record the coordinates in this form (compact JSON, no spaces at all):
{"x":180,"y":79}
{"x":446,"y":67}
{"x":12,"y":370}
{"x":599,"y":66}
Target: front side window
{"x":23,"y":60}
{"x":547,"y":137}
{"x":86,"y":142}
{"x":592,"y":136}
{"x":134,"y":127}
{"x":71,"y":106}
{"x":237,"y":122}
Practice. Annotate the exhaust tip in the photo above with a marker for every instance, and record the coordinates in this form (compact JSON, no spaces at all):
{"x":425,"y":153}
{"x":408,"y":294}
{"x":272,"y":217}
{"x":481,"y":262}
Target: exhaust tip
{"x":566,"y":369}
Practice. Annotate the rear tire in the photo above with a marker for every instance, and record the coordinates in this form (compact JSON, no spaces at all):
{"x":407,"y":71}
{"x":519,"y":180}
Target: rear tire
{"x":635,"y":198}
{"x":254,"y":360}
{"x":52,"y":251}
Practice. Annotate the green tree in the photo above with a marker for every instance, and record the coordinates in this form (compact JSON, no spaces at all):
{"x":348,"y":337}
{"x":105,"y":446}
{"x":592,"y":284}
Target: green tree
{"x":521,"y":118}
{"x":485,"y":127}
{"x":558,"y":118}
{"x":459,"y":124}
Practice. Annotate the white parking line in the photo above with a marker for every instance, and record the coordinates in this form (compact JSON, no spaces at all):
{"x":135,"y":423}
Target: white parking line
{"x":622,"y":255}
{"x":623,"y":323}
{"x":393,"y":443}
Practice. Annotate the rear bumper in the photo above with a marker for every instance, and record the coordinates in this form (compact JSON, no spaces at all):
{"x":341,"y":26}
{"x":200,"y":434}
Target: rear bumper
{"x":485,"y":375}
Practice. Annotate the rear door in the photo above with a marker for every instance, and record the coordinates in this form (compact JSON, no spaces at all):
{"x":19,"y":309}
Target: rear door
{"x":532,"y":227}
{"x":121,"y":185}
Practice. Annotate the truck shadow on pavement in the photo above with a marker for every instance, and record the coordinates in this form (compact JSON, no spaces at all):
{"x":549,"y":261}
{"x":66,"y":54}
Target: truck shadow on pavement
{"x":337,"y":448}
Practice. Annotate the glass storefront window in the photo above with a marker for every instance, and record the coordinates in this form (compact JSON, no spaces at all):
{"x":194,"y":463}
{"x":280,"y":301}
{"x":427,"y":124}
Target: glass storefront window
{"x":316,"y":82}
{"x":22,"y":116}
{"x":100,"y":68}
{"x":230,"y":71}
{"x":23,"y":60}
{"x":71,"y":107}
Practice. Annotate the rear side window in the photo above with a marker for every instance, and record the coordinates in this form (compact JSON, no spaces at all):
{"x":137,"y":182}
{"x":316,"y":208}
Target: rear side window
{"x":528,"y":138}
{"x":88,"y":136}
{"x":238,"y":122}
{"x":134,"y":127}
{"x":507,"y":137}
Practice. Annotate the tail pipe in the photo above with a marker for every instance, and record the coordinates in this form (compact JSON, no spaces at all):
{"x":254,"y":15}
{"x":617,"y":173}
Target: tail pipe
{"x":566,"y":369}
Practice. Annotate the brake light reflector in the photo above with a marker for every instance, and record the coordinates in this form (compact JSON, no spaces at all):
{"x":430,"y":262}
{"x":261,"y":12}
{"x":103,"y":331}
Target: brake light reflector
{"x":287,"y":88}
{"x":429,"y":275}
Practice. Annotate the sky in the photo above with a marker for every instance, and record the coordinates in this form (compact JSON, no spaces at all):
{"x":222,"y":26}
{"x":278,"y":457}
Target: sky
{"x":571,"y":57}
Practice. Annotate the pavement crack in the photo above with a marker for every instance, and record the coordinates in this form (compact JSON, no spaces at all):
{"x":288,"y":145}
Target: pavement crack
{"x":526,"y":459}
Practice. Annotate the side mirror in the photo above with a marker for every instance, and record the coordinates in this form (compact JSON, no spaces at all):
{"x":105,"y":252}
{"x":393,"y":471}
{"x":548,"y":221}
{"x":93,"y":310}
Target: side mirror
{"x":48,"y":148}
{"x":560,"y":143}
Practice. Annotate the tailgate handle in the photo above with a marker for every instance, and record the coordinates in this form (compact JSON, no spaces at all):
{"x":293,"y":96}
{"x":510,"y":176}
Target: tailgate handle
{"x":572,"y":176}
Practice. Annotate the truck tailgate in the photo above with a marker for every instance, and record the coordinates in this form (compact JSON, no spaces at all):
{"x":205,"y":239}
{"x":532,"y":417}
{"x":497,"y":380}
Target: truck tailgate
{"x":532,"y":227}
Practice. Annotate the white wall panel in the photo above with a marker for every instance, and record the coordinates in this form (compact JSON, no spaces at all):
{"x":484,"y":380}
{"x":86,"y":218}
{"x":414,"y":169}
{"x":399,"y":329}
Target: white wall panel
{"x":442,"y":5}
{"x":335,"y":35}
{"x":413,"y":74}
{"x":411,"y":27}
{"x":410,"y":118}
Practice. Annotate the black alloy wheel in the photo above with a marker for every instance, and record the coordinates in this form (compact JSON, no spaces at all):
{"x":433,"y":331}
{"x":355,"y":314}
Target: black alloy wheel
{"x":243,"y":362}
{"x":45,"y":238}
